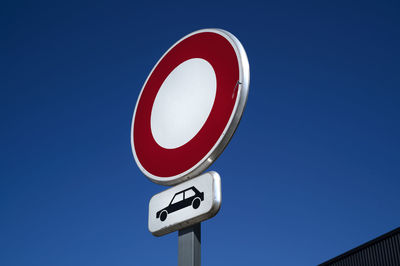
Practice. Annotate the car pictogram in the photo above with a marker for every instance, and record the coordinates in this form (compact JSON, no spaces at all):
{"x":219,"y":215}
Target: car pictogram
{"x":182,"y":199}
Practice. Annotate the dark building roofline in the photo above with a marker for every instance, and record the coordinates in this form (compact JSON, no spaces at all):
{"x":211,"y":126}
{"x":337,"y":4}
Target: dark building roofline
{"x":363,"y":246}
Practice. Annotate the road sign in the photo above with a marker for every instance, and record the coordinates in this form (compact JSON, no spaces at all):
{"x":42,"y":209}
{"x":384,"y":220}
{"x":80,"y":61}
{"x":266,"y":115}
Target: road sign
{"x":190,"y":106}
{"x":185,"y":204}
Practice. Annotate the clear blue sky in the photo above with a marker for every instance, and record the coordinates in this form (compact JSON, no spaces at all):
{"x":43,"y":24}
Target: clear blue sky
{"x":312,"y":171}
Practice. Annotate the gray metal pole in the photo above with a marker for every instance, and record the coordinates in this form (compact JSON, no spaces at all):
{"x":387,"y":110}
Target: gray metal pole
{"x":189,"y":246}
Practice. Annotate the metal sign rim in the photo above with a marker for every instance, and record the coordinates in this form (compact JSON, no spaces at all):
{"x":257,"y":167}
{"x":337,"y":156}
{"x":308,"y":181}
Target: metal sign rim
{"x":219,"y":146}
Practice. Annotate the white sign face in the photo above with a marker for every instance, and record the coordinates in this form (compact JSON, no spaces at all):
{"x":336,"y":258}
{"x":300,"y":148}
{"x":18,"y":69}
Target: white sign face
{"x":183,"y":103}
{"x":185,"y":204}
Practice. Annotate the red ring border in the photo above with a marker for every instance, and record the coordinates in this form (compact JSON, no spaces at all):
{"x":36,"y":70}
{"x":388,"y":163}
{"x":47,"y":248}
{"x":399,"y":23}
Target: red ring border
{"x":168,"y":163}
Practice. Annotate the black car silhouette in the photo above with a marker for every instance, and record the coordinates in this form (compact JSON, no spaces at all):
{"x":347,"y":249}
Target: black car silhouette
{"x":182,"y":199}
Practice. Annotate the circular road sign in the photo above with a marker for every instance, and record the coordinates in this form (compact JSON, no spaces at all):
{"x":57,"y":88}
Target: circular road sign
{"x":190,"y":106}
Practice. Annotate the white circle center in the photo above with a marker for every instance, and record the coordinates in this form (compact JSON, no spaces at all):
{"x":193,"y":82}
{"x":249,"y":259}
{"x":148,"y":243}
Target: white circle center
{"x":183,"y":103}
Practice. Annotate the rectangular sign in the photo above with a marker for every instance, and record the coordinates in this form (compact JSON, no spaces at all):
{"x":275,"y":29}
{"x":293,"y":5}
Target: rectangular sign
{"x":185,"y":204}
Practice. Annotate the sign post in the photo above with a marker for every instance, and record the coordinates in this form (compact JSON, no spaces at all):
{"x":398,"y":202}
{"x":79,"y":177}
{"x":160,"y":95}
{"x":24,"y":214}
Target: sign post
{"x":187,"y":111}
{"x":189,"y":246}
